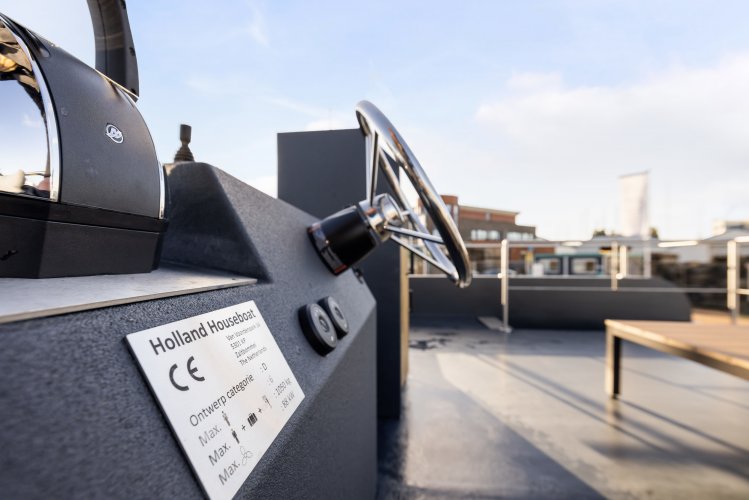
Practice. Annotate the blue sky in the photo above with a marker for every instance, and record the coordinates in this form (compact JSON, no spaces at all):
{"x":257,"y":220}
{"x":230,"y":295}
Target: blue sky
{"x":535,"y":106}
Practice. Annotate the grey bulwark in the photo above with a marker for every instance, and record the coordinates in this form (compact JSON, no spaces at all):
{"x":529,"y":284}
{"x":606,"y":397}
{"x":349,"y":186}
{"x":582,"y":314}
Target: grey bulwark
{"x":576,"y":304}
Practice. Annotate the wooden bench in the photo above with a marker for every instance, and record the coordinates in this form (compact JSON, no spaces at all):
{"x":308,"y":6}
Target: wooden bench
{"x":724,"y":347}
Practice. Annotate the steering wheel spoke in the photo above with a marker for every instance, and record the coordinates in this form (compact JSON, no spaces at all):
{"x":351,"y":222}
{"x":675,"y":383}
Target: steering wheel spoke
{"x":408,"y":246}
{"x":373,"y":159}
{"x":414,"y":234}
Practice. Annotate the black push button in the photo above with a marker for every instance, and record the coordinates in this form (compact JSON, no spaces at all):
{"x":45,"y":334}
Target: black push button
{"x":318,"y":327}
{"x":333,"y":308}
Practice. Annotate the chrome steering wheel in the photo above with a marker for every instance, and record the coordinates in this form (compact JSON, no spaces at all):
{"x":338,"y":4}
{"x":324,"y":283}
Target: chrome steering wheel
{"x":346,"y":237}
{"x":386,"y":149}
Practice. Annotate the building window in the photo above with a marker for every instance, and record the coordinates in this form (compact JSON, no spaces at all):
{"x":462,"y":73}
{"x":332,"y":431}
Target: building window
{"x":478,"y":234}
{"x":586,"y":265}
{"x":551,"y":265}
{"x":515,"y":235}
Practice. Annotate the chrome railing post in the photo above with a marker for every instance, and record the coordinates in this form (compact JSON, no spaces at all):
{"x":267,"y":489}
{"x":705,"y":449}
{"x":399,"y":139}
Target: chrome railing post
{"x":647,"y":260}
{"x":504,"y":262}
{"x":623,"y":261}
{"x":732,"y":280}
{"x":614,"y":266}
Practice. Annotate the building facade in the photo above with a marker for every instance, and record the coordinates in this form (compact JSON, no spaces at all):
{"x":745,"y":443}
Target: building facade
{"x":483,"y":229}
{"x":486,"y":225}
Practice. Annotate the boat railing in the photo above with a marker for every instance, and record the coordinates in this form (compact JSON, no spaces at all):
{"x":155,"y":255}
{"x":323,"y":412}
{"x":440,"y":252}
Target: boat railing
{"x":618,"y":254}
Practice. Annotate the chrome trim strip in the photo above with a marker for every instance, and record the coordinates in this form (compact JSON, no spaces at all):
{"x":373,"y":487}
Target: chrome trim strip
{"x":162,"y":190}
{"x":53,"y":137}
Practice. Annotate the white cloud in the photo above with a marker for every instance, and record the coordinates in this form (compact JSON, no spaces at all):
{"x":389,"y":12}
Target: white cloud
{"x":534,"y":81}
{"x":32,"y":122}
{"x":257,"y":28}
{"x":219,"y":85}
{"x":298,"y":107}
{"x":322,"y":118}
{"x":268,"y":184}
{"x":688,"y":126}
{"x":331,"y":123}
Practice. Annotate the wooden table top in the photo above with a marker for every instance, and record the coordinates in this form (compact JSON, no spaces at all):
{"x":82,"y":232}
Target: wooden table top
{"x":728,"y":343}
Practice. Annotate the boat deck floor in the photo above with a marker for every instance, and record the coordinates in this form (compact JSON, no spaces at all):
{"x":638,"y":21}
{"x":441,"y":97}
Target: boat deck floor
{"x":525,"y":415}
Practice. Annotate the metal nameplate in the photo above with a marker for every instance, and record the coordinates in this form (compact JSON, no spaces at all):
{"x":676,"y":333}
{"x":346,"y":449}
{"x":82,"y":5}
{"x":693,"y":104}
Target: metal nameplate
{"x":225,"y":388}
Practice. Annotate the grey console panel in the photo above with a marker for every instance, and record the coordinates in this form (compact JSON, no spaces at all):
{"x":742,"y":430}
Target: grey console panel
{"x":79,"y":420}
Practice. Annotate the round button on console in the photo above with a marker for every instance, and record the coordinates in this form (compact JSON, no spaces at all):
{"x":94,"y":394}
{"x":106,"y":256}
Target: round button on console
{"x":333,"y":308}
{"x":318,"y":328}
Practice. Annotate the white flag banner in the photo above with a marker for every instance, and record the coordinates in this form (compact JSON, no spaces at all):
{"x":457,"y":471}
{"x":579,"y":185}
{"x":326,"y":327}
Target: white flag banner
{"x":633,"y":205}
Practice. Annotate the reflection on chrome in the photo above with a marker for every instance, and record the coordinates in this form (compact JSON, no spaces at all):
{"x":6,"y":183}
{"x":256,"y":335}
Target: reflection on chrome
{"x":26,"y":166}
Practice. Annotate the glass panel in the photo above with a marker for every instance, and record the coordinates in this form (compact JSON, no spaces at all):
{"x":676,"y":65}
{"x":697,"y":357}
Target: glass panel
{"x":586,"y":265}
{"x":515,"y":235}
{"x":551,"y":265}
{"x":24,"y":152}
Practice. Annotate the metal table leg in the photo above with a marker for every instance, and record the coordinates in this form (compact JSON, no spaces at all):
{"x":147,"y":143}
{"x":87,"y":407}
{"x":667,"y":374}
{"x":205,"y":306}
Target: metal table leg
{"x":613,"y":364}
